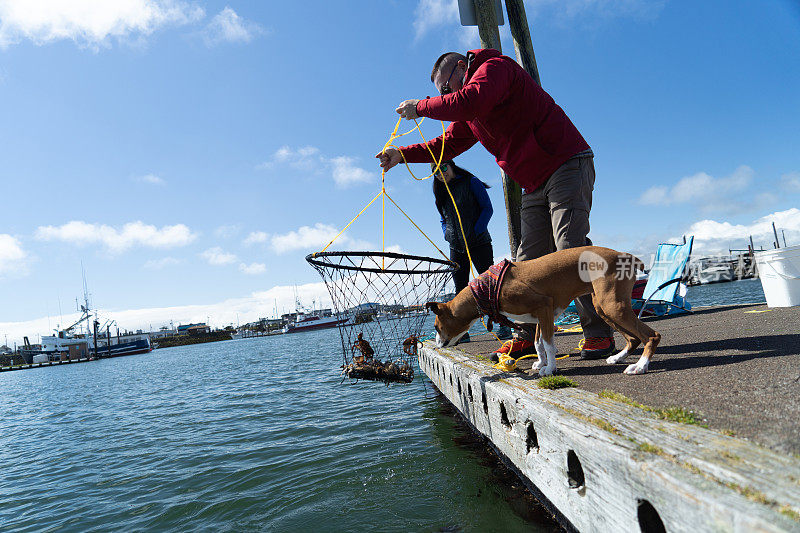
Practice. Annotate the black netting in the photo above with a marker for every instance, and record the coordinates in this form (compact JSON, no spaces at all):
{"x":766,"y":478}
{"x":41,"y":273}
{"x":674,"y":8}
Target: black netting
{"x":383,"y":296}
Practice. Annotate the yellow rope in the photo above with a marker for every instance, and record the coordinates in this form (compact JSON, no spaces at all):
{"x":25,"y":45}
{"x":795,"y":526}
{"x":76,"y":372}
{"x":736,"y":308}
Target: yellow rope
{"x":415,"y":224}
{"x":354,"y":219}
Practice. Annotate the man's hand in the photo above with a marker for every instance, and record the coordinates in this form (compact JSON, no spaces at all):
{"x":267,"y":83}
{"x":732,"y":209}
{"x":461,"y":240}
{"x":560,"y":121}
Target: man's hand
{"x":389,"y":158}
{"x":408,"y":109}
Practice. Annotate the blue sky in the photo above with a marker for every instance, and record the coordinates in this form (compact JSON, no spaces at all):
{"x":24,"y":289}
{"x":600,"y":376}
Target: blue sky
{"x":191,"y":153}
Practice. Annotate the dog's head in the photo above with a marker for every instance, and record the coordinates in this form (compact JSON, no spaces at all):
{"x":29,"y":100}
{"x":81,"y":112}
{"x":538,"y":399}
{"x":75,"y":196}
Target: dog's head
{"x":449,"y":329}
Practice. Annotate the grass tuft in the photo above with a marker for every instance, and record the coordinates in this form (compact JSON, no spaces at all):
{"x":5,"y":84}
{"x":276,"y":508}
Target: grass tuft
{"x":791,"y":513}
{"x":650,"y":448}
{"x":675,"y":414}
{"x":556,"y":382}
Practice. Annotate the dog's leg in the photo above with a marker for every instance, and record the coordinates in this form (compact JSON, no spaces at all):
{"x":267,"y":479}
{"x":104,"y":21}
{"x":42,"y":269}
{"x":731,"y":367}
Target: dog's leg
{"x":613,"y":304}
{"x":631,"y":341}
{"x":546,"y":328}
{"x":627,"y":320}
{"x":540,"y":352}
{"x":653,"y":338}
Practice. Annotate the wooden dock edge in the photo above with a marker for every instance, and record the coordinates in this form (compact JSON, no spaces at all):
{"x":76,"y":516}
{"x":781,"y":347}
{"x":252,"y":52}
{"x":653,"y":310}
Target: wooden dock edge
{"x":601,"y":465}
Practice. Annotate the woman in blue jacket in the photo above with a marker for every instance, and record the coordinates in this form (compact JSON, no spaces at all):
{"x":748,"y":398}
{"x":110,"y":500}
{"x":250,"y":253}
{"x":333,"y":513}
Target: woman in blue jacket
{"x":475,"y":209}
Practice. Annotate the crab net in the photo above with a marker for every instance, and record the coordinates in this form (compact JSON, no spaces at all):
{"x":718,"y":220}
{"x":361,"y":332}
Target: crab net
{"x":380,"y":299}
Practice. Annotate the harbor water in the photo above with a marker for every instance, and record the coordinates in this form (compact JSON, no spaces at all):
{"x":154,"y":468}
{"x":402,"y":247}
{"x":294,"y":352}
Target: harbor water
{"x":248,"y":435}
{"x":255,"y":434}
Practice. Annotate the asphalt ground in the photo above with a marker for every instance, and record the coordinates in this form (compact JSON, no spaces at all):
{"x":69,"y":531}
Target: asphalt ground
{"x":738,"y":367}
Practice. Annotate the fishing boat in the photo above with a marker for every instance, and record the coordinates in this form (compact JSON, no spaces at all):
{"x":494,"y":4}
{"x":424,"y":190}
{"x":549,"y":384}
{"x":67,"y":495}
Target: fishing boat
{"x":86,"y":338}
{"x":312,"y":321}
{"x":713,"y":270}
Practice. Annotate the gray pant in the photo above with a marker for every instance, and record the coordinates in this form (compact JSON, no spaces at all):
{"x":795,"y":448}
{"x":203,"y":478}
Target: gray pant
{"x":556,"y":216}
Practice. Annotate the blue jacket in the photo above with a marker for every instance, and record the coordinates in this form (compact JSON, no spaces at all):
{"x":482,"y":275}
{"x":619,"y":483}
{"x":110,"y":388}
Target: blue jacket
{"x":475,"y":209}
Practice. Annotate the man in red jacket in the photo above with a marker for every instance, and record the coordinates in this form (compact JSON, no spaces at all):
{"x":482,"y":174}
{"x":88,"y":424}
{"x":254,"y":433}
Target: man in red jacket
{"x":489,"y":98}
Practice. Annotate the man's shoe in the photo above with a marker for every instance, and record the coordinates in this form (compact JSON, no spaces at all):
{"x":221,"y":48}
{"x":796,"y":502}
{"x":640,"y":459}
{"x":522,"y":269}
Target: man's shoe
{"x":465,"y":338}
{"x":597,"y":347}
{"x":514,"y":348}
{"x":504,"y":333}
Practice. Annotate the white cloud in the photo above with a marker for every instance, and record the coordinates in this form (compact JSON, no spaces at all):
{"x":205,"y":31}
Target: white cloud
{"x":307,"y":238}
{"x":217,"y":256}
{"x":12,"y":257}
{"x":158,"y":264}
{"x":712,"y":236}
{"x":91,"y":23}
{"x":345,"y":173}
{"x":226,"y":231}
{"x":228,"y":27}
{"x":253,"y":268}
{"x":343,"y":169}
{"x":152,"y":179}
{"x":118,"y":240}
{"x":791,"y":182}
{"x":705,"y":191}
{"x":256,"y":237}
{"x":654,"y":195}
{"x":305,"y":158}
{"x":431,"y":14}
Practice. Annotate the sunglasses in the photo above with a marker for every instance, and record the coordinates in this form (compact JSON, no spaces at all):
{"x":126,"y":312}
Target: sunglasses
{"x":443,"y":167}
{"x":446,"y":87}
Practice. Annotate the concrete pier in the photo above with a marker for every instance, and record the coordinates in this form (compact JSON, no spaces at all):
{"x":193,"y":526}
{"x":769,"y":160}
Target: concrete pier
{"x":600,"y":464}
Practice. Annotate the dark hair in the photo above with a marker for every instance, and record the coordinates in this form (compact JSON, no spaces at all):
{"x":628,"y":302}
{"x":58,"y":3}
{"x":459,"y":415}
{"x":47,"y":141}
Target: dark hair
{"x":443,"y":58}
{"x":440,"y":191}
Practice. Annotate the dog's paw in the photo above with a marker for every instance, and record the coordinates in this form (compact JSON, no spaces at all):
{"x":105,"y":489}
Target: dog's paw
{"x":537,"y":365}
{"x":617,"y":358}
{"x":636,"y":369}
{"x":546,"y":371}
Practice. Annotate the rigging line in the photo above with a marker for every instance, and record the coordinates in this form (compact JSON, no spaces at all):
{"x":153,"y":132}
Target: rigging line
{"x":354,"y":219}
{"x":415,"y":225}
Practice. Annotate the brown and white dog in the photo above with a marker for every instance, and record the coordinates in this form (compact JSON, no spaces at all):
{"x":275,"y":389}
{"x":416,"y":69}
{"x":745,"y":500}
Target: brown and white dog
{"x":538,"y":290}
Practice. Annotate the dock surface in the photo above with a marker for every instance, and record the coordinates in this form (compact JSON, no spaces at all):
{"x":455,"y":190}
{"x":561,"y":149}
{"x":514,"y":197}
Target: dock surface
{"x":605,"y":462}
{"x":737,"y":366}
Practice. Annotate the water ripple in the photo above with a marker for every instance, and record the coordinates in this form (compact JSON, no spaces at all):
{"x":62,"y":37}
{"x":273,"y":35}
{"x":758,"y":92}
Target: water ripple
{"x":256,"y":434}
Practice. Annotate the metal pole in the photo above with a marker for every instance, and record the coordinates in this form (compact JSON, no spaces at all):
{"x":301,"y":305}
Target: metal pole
{"x":783,"y":232}
{"x":108,"y":338}
{"x":777,"y":242}
{"x":490,"y":38}
{"x":95,"y":338}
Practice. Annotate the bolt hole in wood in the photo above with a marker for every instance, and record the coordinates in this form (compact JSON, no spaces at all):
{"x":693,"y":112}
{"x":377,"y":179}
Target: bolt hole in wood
{"x":649,"y":521}
{"x":458,"y":381}
{"x":504,"y":416}
{"x":485,"y":403}
{"x":532,"y":440}
{"x":469,"y":392}
{"x":574,"y":471}
{"x":451,"y":380}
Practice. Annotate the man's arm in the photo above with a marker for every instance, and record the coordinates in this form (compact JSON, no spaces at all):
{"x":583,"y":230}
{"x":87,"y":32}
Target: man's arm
{"x":485,"y":89}
{"x":457,"y":138}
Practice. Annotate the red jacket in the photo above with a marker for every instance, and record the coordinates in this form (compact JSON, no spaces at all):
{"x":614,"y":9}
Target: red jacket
{"x":514,"y":119}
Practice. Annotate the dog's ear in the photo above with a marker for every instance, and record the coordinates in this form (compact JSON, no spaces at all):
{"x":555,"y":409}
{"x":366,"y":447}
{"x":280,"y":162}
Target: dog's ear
{"x":433,"y":306}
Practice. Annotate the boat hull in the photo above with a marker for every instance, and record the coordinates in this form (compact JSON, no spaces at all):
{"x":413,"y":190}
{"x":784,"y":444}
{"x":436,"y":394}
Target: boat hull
{"x":312,"y":326}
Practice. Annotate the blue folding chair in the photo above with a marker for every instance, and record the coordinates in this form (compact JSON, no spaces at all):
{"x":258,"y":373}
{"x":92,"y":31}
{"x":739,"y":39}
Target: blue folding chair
{"x":661,"y":295}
